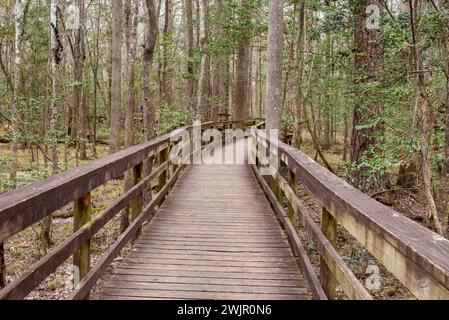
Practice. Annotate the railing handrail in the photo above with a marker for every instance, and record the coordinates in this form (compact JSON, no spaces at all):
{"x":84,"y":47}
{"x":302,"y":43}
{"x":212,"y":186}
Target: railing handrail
{"x":414,"y":254}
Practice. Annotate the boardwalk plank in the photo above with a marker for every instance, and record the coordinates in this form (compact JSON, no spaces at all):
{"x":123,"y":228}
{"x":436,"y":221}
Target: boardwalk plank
{"x":215,"y":237}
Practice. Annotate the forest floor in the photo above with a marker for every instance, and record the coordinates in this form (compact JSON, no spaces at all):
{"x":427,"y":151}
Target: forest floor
{"x":25,"y":248}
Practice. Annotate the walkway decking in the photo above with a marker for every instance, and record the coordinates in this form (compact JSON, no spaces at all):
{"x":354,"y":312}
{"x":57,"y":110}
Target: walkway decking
{"x":215,"y":237}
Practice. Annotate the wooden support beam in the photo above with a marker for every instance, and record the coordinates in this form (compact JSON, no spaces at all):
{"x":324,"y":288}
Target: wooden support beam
{"x":136,"y":203}
{"x":327,"y":276}
{"x":163,"y":156}
{"x":81,"y":258}
{"x":2,"y":265}
{"x":292,"y":182}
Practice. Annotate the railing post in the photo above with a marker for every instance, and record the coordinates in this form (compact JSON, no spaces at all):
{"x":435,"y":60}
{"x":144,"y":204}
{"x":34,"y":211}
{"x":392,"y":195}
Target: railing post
{"x":175,"y":167}
{"x":271,"y":179}
{"x":327,"y":276}
{"x":136,"y":203}
{"x":147,"y":168}
{"x":81,"y":216}
{"x":163,"y":156}
{"x":292,"y":182}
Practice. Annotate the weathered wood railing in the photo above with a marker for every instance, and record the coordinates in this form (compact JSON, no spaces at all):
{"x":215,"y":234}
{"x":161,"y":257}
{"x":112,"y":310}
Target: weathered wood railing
{"x":22,"y":208}
{"x":416,"y":256}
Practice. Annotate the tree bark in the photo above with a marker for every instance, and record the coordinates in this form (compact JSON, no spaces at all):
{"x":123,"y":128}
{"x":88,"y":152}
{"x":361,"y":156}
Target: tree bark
{"x":274,"y":69}
{"x":116,"y":95}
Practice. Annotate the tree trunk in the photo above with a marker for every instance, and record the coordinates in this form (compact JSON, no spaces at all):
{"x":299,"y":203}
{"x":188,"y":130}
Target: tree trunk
{"x":242,"y":66}
{"x":274,"y":58}
{"x":56,"y":46}
{"x":190,"y":48}
{"x":18,"y":12}
{"x":299,"y":58}
{"x":200,"y":103}
{"x":368,"y":47}
{"x":444,"y":187}
{"x":116,"y":95}
{"x":425,"y":114}
{"x":132,"y":10}
{"x":79,"y":99}
{"x":166,"y":74}
{"x":150,"y":118}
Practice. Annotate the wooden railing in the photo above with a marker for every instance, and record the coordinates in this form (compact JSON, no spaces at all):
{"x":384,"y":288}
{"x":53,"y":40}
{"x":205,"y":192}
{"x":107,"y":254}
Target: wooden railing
{"x":20,"y":209}
{"x":416,"y":256}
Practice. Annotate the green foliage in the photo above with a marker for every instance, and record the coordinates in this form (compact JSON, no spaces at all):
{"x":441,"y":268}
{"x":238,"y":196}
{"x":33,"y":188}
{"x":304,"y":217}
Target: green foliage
{"x":169,"y":117}
{"x":287,"y":123}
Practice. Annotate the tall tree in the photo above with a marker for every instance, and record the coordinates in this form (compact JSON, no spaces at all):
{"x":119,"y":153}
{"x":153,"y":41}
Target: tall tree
{"x":241,"y":104}
{"x":416,"y":8}
{"x":167,"y":40}
{"x":18,"y":14}
{"x":150,"y":118}
{"x":299,"y":58}
{"x":117,"y":7}
{"x":200,"y":101}
{"x":132,"y":16}
{"x":368,"y":106}
{"x":190,"y":48}
{"x":444,"y":188}
{"x":79,"y":58}
{"x":274,"y":64}
{"x":56,"y":56}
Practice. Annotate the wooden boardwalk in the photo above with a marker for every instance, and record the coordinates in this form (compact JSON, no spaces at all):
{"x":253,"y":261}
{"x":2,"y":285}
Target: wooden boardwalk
{"x":215,"y":237}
